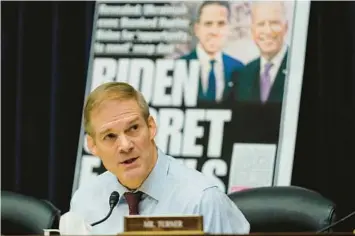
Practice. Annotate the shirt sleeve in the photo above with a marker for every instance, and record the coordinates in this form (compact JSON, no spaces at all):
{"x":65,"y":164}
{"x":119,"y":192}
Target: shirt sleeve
{"x":78,"y":203}
{"x":220,"y":214}
{"x":74,"y":202}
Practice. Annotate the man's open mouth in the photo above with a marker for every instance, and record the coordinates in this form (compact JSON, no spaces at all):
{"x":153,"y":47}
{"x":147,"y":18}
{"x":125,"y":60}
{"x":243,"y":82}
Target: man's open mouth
{"x":129,"y":161}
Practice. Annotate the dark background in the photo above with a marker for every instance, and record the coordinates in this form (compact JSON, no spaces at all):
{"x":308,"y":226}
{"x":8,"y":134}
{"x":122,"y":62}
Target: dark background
{"x":45,"y":49}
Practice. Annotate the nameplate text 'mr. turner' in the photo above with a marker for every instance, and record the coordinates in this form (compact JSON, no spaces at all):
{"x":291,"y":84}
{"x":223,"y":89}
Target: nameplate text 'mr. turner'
{"x":163,"y":224}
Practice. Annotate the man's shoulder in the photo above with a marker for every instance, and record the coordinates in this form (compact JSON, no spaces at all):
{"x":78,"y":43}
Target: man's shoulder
{"x":191,"y":180}
{"x":254,"y":64}
{"x":94,"y":187}
{"x":91,"y":198}
{"x":249,"y":69}
{"x":232,"y":61}
{"x":190,"y":55}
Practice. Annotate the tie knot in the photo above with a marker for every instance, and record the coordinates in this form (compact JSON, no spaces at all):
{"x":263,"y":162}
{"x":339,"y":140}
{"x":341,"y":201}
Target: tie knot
{"x":133,"y":200}
{"x":268,"y":66}
{"x":212,"y":62}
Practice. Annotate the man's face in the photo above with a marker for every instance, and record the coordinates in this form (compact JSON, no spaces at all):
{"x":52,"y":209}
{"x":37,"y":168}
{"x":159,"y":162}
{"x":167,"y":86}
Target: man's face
{"x":124,"y":141}
{"x":268,"y":27}
{"x":212,"y":29}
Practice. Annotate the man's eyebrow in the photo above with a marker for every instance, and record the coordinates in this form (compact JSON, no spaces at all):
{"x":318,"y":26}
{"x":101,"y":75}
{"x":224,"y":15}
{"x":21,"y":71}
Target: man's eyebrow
{"x":107,"y":130}
{"x":104,"y":131}
{"x":133,"y":121}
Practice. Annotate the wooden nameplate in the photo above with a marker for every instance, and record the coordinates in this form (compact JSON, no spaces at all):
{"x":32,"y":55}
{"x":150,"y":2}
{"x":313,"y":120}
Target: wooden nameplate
{"x":163,"y":225}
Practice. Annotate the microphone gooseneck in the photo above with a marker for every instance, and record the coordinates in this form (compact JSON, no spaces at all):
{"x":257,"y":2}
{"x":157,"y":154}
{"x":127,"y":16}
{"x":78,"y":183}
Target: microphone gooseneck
{"x":336,"y":223}
{"x":114,"y":197}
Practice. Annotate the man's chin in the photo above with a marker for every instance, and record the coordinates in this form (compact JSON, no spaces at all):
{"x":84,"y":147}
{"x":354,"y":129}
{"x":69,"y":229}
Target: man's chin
{"x":133,"y":176}
{"x":269,"y":51}
{"x":268,"y":47}
{"x":211,"y":51}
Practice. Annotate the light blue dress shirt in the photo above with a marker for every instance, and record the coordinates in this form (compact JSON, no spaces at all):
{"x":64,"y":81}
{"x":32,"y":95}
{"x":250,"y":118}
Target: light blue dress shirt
{"x":171,"y":189}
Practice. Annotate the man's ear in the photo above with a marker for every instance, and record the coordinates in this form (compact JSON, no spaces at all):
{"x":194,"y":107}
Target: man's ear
{"x":91,"y":144}
{"x":152,"y":127}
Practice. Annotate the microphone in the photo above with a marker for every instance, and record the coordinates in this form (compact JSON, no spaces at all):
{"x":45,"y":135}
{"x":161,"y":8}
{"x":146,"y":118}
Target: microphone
{"x":114,"y":197}
{"x":336,"y":223}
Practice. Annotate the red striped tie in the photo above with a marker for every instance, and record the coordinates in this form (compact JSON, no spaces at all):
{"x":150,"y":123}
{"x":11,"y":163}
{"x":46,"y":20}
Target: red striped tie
{"x":133,"y":200}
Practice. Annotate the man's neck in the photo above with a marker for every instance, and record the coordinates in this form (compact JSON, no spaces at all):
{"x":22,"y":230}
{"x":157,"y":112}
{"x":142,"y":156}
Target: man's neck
{"x":271,"y":56}
{"x":210,"y":55}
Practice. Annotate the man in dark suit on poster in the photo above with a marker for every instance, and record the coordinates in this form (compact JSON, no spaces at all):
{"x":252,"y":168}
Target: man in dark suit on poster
{"x":259,"y":86}
{"x":211,"y":30}
{"x":262,"y":80}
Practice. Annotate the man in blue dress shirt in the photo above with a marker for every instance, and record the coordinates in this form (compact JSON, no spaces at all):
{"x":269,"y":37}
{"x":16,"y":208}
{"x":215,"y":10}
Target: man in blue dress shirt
{"x":121,"y":133}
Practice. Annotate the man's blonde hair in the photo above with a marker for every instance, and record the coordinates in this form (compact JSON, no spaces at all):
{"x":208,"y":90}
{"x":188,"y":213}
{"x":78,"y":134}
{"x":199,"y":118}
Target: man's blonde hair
{"x":108,"y":92}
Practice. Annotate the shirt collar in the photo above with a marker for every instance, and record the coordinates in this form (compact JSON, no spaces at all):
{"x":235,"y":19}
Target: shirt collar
{"x":277,"y":60}
{"x":152,"y":186}
{"x":205,"y":58}
{"x":115,"y":185}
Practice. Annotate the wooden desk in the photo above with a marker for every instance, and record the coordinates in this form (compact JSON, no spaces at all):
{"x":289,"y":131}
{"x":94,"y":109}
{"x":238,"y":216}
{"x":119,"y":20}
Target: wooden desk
{"x":252,"y":234}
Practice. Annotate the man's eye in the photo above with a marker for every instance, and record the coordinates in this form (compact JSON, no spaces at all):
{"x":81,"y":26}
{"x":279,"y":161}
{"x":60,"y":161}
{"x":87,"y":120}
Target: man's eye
{"x":262,"y":23}
{"x":221,"y":23}
{"x":110,"y":136}
{"x":134,"y":127}
{"x":208,"y":23}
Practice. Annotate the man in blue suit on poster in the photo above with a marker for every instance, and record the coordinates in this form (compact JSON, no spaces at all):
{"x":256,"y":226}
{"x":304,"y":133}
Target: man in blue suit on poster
{"x":211,"y":29}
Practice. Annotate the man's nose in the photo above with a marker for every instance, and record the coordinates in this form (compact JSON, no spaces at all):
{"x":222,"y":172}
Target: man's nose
{"x":214,"y":29}
{"x":124,"y":143}
{"x":267,"y":28}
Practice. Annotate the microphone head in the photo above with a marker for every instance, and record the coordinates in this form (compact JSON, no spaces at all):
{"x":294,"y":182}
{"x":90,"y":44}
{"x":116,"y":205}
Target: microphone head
{"x":114,"y":197}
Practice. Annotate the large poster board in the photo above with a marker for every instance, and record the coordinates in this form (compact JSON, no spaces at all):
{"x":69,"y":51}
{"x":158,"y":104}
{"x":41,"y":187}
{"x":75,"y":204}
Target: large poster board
{"x":234,"y":119}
